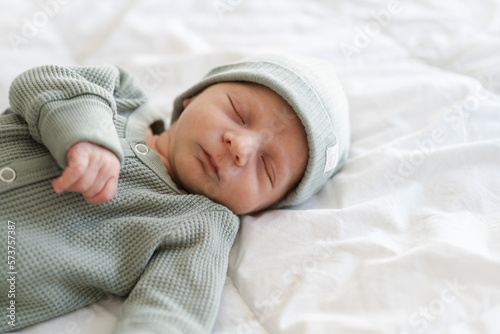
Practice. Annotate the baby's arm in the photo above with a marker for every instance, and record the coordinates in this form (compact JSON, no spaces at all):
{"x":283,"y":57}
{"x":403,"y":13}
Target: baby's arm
{"x":180,"y":289}
{"x":92,"y":171}
{"x":64,"y":106}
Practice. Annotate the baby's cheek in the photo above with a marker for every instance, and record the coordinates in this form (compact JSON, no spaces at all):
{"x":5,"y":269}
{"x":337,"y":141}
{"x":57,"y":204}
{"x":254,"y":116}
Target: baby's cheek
{"x":251,"y":199}
{"x":211,"y":190}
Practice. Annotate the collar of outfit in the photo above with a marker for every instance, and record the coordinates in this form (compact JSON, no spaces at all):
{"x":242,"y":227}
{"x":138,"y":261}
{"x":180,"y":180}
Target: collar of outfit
{"x":138,"y":122}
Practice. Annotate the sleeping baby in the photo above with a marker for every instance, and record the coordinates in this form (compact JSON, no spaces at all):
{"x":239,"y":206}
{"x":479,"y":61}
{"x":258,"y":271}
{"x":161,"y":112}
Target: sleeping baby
{"x":93,"y":202}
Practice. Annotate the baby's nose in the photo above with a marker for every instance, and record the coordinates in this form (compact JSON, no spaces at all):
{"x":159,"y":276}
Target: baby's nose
{"x":243,"y":146}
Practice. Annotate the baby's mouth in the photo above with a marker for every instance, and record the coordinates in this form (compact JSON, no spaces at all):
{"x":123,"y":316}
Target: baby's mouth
{"x":211,"y":163}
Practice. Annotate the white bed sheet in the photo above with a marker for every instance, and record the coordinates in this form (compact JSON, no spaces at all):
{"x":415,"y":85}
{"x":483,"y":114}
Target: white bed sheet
{"x":406,"y":238}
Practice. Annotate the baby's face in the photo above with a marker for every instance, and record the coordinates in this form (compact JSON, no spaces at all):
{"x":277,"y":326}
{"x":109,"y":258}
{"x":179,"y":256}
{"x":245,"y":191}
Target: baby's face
{"x":239,"y":144}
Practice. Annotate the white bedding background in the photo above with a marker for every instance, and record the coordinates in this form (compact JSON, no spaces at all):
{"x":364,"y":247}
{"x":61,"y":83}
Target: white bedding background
{"x":406,"y":238}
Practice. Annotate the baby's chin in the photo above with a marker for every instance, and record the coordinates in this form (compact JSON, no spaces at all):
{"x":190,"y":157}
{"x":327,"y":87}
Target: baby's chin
{"x":236,"y":208}
{"x":242,"y":208}
{"x":213,"y":191}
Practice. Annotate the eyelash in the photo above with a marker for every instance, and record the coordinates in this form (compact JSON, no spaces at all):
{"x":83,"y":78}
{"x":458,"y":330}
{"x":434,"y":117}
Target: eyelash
{"x":267,"y":171}
{"x":236,"y":111}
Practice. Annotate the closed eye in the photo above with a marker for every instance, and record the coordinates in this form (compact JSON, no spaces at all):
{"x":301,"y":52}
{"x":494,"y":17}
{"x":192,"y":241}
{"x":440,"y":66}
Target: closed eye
{"x":268,"y":171}
{"x":233,"y":104}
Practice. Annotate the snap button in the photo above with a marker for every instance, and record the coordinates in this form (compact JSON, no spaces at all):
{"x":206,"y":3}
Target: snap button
{"x":7,"y":175}
{"x":141,"y":149}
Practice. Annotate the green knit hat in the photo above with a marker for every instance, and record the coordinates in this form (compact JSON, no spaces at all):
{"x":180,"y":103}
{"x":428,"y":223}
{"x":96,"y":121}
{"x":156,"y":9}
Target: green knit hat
{"x":311,"y":87}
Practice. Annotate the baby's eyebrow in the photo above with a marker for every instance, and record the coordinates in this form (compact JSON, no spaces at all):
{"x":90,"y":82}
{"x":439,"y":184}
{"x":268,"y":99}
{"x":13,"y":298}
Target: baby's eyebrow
{"x":251,"y":104}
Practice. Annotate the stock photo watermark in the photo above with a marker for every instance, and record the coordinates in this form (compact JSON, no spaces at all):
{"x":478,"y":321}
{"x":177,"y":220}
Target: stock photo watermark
{"x":11,"y":273}
{"x":155,"y":76}
{"x":372,"y":29}
{"x":293,"y":278}
{"x":453,"y":118}
{"x":31,"y":26}
{"x":223,"y":6}
{"x":421,"y":318}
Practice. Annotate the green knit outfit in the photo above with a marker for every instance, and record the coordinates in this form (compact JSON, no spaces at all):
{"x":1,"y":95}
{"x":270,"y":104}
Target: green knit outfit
{"x":164,"y":250}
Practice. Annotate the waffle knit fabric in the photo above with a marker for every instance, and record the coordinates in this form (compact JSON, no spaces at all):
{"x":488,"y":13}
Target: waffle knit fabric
{"x":311,"y":87}
{"x":166,"y":252}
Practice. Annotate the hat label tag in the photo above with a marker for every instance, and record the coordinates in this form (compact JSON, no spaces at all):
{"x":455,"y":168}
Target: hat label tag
{"x":332,"y":156}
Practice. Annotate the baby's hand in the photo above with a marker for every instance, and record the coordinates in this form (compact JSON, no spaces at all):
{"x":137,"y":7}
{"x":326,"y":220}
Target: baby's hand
{"x":92,"y":171}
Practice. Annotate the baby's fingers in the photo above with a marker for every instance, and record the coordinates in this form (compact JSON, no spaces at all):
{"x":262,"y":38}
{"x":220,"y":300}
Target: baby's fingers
{"x":71,"y":175}
{"x":106,"y":194}
{"x":92,"y":171}
{"x":100,"y":185}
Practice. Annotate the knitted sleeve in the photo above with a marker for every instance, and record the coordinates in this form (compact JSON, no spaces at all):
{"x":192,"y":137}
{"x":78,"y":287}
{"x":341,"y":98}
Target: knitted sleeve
{"x":64,"y":105}
{"x":180,"y":290}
